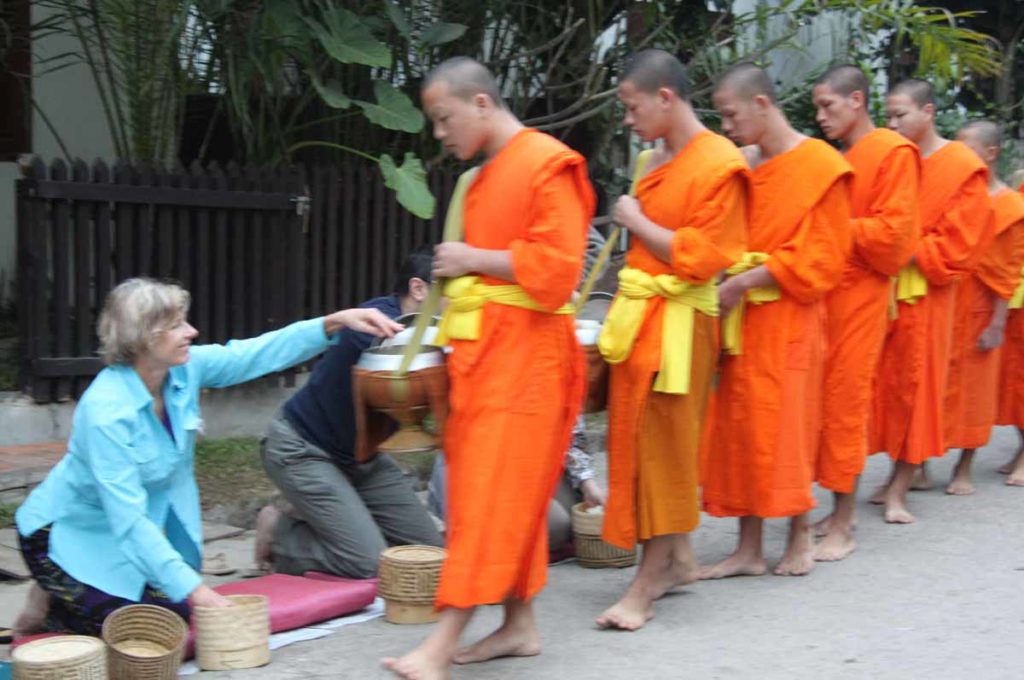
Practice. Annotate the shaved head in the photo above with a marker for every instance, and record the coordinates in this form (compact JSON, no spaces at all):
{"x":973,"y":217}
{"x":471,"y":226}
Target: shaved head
{"x":465,"y":79}
{"x":845,"y":79}
{"x":651,"y":70}
{"x":920,"y":91}
{"x":748,"y":81}
{"x":985,"y":131}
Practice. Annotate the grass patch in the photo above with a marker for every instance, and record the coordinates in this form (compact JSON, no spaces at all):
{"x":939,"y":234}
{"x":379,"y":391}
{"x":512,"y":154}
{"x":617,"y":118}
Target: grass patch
{"x":7,"y":516}
{"x":229,"y":470}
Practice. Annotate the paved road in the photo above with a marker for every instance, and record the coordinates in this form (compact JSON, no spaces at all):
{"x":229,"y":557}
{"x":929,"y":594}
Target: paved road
{"x":938,"y":599}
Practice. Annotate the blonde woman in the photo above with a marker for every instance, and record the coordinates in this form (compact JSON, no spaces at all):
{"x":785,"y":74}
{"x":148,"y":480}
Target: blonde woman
{"x":117,"y":520}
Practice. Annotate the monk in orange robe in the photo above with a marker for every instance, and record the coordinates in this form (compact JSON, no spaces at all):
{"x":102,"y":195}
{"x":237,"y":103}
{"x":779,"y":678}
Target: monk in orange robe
{"x":516,"y":371}
{"x":885,"y":230}
{"x":955,"y":225}
{"x":688,"y":221}
{"x":765,"y":420}
{"x":982,"y":302}
{"x":1011,"y":372}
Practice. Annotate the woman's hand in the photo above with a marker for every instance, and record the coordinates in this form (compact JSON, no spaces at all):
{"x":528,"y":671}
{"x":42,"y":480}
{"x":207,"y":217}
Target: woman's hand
{"x":362,"y":320}
{"x":593,"y":495}
{"x":205,"y":596}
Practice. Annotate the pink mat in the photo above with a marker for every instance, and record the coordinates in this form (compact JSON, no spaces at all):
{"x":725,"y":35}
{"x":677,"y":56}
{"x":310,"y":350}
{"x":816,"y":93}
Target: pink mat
{"x":297,"y":601}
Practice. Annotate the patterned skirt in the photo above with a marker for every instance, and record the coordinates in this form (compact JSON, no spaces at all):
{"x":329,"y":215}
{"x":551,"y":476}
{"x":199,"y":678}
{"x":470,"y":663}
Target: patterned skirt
{"x":74,"y":606}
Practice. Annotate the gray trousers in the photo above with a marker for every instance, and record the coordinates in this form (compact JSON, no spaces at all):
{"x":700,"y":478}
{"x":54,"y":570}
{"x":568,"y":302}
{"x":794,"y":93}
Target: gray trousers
{"x":343,"y":516}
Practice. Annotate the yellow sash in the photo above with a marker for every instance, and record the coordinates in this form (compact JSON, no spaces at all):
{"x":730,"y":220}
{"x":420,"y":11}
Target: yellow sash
{"x":620,"y":329}
{"x":467,"y":296}
{"x":908,"y":286}
{"x":1017,"y":299}
{"x":732,"y":326}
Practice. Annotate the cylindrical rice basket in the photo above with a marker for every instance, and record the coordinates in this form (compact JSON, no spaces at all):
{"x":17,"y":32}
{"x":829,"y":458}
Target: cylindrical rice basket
{"x":591,"y":551}
{"x":146,"y":643}
{"x":407,"y":581}
{"x":233,"y":637}
{"x":66,"y":657}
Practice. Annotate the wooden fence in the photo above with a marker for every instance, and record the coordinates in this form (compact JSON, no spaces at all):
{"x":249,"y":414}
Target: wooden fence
{"x":257,"y":247}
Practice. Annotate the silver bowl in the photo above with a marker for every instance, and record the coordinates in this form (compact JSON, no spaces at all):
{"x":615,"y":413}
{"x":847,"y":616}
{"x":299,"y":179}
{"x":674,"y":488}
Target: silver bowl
{"x":390,"y":358}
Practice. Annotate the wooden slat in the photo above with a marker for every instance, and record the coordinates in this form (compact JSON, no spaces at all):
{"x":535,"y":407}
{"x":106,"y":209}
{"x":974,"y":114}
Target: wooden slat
{"x":363,"y":242}
{"x":164,"y":236}
{"x":295,"y":289}
{"x":378,"y":238}
{"x":61,"y":263}
{"x":125,"y":217}
{"x":253,"y":258}
{"x":144,"y":226}
{"x":41,"y":388}
{"x":104,"y":241}
{"x":84,"y":257}
{"x":348,"y":230}
{"x":182,"y":229}
{"x":60,"y":367}
{"x":219,"y":269}
{"x":151,"y":195}
{"x":321,"y":255}
{"x":391,"y":241}
{"x":202,"y":289}
{"x":237,"y":237}
{"x":277,"y":260}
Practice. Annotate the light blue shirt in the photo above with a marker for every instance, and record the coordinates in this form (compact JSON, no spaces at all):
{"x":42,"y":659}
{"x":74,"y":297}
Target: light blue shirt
{"x":123,"y":501}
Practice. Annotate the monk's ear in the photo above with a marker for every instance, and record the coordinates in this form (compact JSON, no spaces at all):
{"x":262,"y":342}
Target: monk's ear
{"x":929,"y":109}
{"x":482,"y":102}
{"x":762,"y":102}
{"x":665,"y":95}
{"x":857,"y":99}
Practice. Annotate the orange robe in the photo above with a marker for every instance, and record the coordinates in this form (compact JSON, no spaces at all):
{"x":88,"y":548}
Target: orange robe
{"x":885,"y":228}
{"x":765,"y":419}
{"x":972,"y":395}
{"x":956,"y":224}
{"x":653,"y":437}
{"x":515,"y":392}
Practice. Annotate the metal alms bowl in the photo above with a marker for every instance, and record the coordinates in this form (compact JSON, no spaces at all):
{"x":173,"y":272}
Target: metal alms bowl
{"x":390,"y":358}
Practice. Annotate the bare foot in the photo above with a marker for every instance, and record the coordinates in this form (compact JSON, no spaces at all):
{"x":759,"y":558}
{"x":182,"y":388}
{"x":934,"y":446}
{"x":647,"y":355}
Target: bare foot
{"x":501,"y":643}
{"x":921,"y":481}
{"x":1009,"y":465}
{"x":836,"y":545}
{"x":824,"y":526}
{"x":798,"y":559}
{"x":417,"y":665}
{"x":959,"y":486}
{"x":897,"y":513}
{"x":1016,"y":477}
{"x":32,"y":617}
{"x":734,"y":565}
{"x":266,"y":522}
{"x":629,"y":613}
{"x":676,"y":574}
{"x":878,"y":497}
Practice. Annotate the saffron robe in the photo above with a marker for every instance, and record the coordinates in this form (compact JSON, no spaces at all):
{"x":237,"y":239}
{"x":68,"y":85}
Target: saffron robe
{"x":653,"y":437}
{"x":972,"y":395}
{"x":885,"y":228}
{"x":907,"y":419}
{"x":515,"y":392}
{"x":759,"y":450}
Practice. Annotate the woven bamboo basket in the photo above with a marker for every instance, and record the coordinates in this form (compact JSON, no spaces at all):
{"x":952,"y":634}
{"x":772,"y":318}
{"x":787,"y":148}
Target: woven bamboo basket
{"x":408,"y":580}
{"x":67,"y":657}
{"x":591,"y":551}
{"x":233,"y":637}
{"x":146,"y":643}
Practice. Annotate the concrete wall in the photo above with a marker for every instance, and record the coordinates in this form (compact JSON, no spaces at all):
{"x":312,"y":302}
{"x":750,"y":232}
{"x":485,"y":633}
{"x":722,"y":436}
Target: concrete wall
{"x":242,"y":411}
{"x":70,"y":101}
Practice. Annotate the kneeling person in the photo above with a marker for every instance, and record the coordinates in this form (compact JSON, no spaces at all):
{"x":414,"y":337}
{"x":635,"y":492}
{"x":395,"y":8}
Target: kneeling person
{"x":343,"y":513}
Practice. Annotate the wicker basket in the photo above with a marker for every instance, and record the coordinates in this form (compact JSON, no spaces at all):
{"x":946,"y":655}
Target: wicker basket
{"x":66,"y":657}
{"x":233,"y":637}
{"x":591,"y":551}
{"x":408,"y":582}
{"x":146,"y":643}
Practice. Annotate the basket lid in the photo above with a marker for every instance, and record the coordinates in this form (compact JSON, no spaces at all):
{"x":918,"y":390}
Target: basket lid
{"x":57,"y":649}
{"x":414,"y":554}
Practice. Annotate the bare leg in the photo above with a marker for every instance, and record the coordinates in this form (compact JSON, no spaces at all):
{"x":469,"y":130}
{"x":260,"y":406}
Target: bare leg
{"x":37,"y":606}
{"x":667,"y":561}
{"x":748,"y":560}
{"x":921,"y":480}
{"x":798,"y":559}
{"x":518,"y":636}
{"x":961,"y":484}
{"x":878,"y":496}
{"x":266,"y":522}
{"x":432,"y":660}
{"x":896,"y":497}
{"x":1017,"y":457}
{"x":1016,"y":472}
{"x":838,"y":542}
